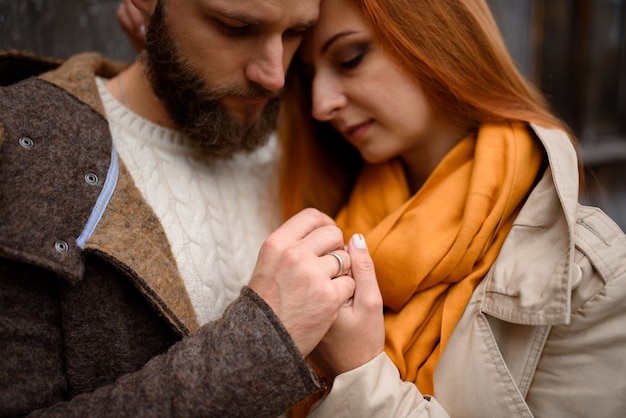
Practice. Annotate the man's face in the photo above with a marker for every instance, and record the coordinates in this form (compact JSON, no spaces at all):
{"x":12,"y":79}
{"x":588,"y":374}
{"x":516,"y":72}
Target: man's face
{"x":218,"y":66}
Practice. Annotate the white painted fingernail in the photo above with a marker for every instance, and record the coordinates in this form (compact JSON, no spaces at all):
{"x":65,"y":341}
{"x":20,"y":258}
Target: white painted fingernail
{"x":358,"y":241}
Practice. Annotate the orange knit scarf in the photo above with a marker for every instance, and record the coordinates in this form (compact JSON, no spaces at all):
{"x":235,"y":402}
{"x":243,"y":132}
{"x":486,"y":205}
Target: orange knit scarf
{"x":432,"y":249}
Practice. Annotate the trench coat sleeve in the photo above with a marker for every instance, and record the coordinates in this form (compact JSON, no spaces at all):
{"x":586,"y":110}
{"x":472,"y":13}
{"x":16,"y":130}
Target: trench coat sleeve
{"x":582,"y":369}
{"x":244,"y":364}
{"x":375,"y":390}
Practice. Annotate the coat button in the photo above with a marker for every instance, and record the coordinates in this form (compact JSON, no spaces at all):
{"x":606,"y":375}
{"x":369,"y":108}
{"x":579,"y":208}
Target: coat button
{"x":61,"y":246}
{"x":26,"y":142}
{"x":91,"y":178}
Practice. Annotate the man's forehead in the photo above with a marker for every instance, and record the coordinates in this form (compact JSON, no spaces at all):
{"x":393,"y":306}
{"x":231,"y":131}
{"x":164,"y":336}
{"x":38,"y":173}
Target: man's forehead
{"x":268,"y":12}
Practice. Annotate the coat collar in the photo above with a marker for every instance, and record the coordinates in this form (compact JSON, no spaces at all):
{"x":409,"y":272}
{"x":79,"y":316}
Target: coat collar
{"x":127,"y":233}
{"x":76,"y":76}
{"x":130,"y":236}
{"x":530,"y":282}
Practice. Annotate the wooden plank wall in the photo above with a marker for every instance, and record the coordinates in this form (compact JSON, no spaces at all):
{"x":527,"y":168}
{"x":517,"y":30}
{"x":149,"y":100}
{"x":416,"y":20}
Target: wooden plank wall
{"x":60,"y":28}
{"x":575,"y":51}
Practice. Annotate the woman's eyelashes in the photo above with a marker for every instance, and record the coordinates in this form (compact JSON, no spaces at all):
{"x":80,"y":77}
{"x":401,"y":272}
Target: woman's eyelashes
{"x":351,"y":63}
{"x":355,"y":55}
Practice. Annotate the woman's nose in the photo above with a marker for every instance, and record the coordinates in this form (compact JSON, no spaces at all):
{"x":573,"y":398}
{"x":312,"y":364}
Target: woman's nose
{"x":328,"y":99}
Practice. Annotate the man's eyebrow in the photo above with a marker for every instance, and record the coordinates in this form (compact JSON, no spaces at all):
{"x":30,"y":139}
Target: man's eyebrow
{"x":253,"y":20}
{"x":335,"y":38}
{"x":247,"y":19}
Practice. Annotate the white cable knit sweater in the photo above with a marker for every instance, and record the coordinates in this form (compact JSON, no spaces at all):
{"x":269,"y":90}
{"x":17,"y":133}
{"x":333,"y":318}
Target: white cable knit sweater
{"x":216,"y":214}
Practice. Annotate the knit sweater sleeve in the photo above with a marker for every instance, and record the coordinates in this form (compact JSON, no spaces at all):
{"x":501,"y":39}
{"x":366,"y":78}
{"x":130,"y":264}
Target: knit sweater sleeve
{"x":244,"y":364}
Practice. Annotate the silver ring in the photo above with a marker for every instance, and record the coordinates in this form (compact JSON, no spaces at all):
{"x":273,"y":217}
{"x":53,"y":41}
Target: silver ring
{"x":340,"y":260}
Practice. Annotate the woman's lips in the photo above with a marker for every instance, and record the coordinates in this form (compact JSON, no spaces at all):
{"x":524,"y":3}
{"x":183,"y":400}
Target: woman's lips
{"x":356,"y":132}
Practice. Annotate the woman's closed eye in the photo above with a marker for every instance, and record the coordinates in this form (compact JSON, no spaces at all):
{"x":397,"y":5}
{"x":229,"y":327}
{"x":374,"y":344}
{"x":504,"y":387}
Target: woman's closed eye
{"x":351,"y":63}
{"x":357,"y":53}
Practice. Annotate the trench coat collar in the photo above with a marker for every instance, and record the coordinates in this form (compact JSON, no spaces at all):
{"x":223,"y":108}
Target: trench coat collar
{"x":530,"y":283}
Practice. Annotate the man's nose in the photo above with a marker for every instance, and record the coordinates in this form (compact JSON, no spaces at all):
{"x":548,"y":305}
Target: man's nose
{"x":266,"y":68}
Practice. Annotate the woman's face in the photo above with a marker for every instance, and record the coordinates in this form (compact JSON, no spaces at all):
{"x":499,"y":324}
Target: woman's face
{"x":361,"y":90}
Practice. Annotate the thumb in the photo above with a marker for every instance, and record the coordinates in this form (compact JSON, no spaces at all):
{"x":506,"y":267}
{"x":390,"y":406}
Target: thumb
{"x":363,"y":272}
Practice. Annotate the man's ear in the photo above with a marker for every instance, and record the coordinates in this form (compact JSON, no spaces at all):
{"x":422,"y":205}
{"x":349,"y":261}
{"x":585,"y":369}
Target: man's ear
{"x":146,"y":7}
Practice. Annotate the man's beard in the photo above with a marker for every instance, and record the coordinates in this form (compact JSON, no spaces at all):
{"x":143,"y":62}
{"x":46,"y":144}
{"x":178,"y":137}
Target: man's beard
{"x":193,"y":106}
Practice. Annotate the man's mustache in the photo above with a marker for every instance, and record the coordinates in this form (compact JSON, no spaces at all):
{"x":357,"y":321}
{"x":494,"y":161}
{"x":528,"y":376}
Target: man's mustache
{"x":251,"y":91}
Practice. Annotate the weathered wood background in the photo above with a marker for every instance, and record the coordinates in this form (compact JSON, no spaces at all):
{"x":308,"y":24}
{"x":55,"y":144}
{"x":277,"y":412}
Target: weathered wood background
{"x":575,"y":50}
{"x":60,"y":28}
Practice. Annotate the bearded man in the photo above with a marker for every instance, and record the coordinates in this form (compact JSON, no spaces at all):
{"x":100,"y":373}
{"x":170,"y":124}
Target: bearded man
{"x":134,"y":201}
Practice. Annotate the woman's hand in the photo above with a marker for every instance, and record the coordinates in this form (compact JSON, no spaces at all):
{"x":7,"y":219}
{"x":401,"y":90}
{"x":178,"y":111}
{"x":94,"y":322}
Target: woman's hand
{"x":358,"y":333}
{"x":132,"y":22}
{"x":300,"y":280}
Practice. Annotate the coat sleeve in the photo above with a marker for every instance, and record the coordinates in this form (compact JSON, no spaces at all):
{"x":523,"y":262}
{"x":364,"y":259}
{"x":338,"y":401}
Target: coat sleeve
{"x":582,"y":369}
{"x":244,"y":364}
{"x":375,"y":390}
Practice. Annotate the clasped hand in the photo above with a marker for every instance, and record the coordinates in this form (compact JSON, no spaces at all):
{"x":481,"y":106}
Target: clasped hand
{"x":322,"y":303}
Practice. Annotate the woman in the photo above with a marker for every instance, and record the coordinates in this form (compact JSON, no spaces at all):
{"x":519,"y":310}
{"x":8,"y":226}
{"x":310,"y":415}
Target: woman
{"x":502,"y":295}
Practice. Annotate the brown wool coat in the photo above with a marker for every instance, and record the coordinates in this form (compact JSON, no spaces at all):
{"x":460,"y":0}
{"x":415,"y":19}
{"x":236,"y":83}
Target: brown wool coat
{"x":108,"y":329}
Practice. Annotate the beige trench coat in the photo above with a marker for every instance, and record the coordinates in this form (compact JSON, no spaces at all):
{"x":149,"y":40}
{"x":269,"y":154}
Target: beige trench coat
{"x":544,"y":334}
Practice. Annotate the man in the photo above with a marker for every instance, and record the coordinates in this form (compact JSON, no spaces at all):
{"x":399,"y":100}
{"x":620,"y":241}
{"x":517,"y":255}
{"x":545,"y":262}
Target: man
{"x":133,"y":204}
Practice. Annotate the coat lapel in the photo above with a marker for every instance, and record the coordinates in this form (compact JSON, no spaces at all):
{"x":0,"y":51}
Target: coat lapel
{"x":131,"y":237}
{"x":495,"y":347}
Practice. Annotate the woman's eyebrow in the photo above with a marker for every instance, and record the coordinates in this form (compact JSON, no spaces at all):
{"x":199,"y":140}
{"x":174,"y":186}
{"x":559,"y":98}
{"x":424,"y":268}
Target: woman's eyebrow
{"x":335,"y":38}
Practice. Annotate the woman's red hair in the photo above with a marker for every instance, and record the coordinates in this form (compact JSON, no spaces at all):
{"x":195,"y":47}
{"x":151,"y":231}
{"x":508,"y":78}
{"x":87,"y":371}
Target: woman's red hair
{"x":455,"y":51}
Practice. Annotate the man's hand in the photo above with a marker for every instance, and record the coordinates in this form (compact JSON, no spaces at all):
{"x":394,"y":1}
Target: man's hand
{"x":299,"y":280}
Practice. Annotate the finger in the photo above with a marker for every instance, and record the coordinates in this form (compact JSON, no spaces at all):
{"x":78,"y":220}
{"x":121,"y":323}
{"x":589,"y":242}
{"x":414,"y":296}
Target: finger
{"x":344,"y":289}
{"x":323,"y":240}
{"x":302,"y":224}
{"x":367,"y":291}
{"x":339,"y":260}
